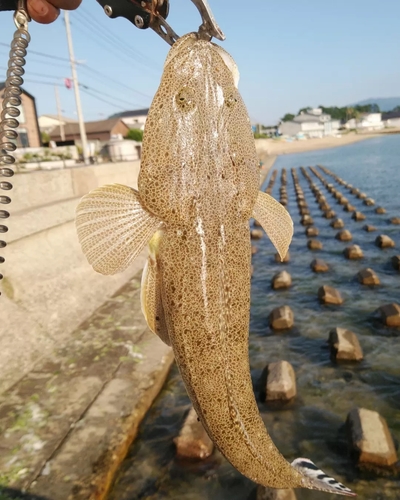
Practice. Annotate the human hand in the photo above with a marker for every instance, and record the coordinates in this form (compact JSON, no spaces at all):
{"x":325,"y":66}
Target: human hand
{"x":47,"y":11}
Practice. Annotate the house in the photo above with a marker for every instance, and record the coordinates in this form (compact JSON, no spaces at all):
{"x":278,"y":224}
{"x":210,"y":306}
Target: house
{"x":28,"y":130}
{"x":98,"y":131}
{"x":391,"y":119}
{"x":312,"y":123}
{"x":366,"y":122}
{"x":370,"y":121}
{"x":133,"y":119}
{"x":48,"y":122}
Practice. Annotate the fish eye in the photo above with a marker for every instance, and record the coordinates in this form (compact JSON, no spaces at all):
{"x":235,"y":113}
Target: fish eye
{"x":231,"y":99}
{"x":185,"y":98}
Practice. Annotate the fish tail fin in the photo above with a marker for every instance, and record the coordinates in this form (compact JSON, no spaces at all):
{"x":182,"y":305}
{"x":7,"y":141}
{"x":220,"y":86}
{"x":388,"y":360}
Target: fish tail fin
{"x":316,"y":479}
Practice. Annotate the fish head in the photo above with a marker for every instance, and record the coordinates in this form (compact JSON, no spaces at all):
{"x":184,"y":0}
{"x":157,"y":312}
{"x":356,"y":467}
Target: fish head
{"x":198,"y":143}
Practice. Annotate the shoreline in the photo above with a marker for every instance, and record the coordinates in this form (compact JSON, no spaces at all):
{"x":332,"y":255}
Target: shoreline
{"x":271,"y":147}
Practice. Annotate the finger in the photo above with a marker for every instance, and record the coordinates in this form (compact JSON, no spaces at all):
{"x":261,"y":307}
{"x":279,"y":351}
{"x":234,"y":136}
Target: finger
{"x":66,"y":4}
{"x":42,"y":11}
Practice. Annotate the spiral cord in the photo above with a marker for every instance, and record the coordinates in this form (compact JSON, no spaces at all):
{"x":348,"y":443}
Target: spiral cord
{"x":9,"y":122}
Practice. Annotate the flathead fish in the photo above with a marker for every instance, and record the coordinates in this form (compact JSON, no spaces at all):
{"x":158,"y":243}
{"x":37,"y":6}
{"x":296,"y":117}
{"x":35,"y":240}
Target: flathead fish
{"x":198,"y":188}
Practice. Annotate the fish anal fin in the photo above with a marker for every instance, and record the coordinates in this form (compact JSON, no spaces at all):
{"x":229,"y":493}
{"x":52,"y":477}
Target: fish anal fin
{"x":113,"y":227}
{"x":151,"y":292}
{"x":316,"y":479}
{"x":275,"y":220}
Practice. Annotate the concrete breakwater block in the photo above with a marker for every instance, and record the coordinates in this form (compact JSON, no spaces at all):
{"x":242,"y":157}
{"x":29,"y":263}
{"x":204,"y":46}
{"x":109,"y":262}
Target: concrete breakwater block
{"x":324,"y":206}
{"x":384,"y":241}
{"x":337,"y":223}
{"x":256,"y":223}
{"x":329,"y":214}
{"x":344,"y":345}
{"x":361,"y":196}
{"x":396,"y":262}
{"x":285,"y":259}
{"x":319,"y":266}
{"x":368,"y":228}
{"x":312,"y":231}
{"x":358,"y":216}
{"x":280,"y":382}
{"x":344,"y":235}
{"x":369,"y":202}
{"x":264,"y":493}
{"x":193,"y":440}
{"x":390,"y":314}
{"x":380,"y":210}
{"x":254,"y":250}
{"x":329,"y":295}
{"x":368,"y":277}
{"x":349,"y":208}
{"x":281,"y":318}
{"x":256,"y":234}
{"x":353,"y":252}
{"x":281,"y":280}
{"x":370,"y":438}
{"x":307,"y":220}
{"x":314,"y":245}
{"x":395,"y":220}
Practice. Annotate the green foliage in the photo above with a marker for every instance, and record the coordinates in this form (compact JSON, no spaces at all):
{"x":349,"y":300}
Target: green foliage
{"x":260,"y":136}
{"x":45,"y":137}
{"x":396,"y":109}
{"x":288,"y":117}
{"x":135,"y":134}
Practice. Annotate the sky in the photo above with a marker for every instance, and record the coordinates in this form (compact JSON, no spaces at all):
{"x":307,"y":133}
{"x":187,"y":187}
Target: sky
{"x":290,"y":55}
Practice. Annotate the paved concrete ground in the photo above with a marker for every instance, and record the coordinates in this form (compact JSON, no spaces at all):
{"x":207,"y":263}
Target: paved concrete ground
{"x":66,"y":426}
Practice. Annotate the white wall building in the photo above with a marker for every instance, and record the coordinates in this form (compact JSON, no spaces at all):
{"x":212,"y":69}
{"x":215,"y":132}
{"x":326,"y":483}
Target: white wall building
{"x":391,"y":119}
{"x":49,"y":122}
{"x":133,"y":119}
{"x":366,"y":123}
{"x":313,"y":123}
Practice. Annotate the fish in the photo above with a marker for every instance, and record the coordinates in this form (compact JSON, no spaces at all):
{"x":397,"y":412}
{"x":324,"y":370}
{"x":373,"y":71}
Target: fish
{"x":198,"y":188}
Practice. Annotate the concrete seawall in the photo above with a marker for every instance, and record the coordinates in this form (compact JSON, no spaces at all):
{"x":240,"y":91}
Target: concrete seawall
{"x":48,"y":287}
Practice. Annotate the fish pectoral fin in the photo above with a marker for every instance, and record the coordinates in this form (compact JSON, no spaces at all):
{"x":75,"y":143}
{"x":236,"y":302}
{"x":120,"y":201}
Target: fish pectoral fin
{"x":316,"y":479}
{"x":150,"y":293}
{"x":275,"y":220}
{"x":113,"y":227}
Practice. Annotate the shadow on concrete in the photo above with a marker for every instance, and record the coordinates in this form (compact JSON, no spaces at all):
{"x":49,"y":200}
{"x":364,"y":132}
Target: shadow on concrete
{"x":11,"y":494}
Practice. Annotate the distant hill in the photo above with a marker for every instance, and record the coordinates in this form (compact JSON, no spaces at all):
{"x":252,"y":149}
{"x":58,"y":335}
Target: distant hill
{"x":384,"y":103}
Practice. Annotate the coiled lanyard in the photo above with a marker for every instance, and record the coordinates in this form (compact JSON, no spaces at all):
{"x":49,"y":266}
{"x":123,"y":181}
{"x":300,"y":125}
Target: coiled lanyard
{"x":10,"y":112}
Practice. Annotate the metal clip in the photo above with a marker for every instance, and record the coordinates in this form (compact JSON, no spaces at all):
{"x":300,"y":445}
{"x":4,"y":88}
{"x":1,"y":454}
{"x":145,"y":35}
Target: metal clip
{"x":209,"y":28}
{"x":21,"y":16}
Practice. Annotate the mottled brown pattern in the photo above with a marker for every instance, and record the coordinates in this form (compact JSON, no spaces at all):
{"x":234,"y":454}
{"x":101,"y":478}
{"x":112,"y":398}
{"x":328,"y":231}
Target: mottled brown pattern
{"x":205,"y":185}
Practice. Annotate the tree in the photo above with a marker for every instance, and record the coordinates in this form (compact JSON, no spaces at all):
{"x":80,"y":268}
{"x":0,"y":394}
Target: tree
{"x":135,"y":134}
{"x":45,"y":137}
{"x":288,"y":117}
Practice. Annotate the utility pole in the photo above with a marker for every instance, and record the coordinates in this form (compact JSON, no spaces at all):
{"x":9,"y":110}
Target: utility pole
{"x":62,"y":134}
{"x":76,"y":90}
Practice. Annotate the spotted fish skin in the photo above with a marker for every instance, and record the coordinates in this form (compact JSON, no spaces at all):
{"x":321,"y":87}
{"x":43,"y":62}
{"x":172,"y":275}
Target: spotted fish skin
{"x":198,"y":188}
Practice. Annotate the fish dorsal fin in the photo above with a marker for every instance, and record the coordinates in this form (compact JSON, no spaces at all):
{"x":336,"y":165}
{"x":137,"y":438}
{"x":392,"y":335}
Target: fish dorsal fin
{"x":113,"y":227}
{"x":316,"y":479}
{"x":275,"y":220}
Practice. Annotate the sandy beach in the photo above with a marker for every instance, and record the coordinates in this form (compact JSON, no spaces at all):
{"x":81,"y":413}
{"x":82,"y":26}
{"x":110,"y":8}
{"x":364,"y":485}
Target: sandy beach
{"x":274,"y":147}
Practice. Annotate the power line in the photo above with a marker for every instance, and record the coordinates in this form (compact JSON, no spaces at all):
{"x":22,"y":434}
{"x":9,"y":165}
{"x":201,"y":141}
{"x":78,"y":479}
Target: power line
{"x":120,"y":44}
{"x":92,"y":70}
{"x":85,"y":91}
{"x":42,"y":54}
{"x":86,"y":87}
{"x":99,"y":40}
